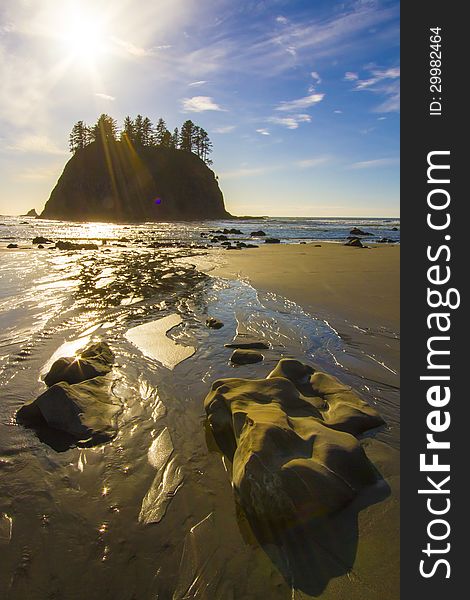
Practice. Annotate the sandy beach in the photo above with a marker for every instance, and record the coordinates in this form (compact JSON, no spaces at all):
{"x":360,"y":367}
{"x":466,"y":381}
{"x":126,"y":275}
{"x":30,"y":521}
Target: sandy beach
{"x":153,"y":493}
{"x":356,"y":290}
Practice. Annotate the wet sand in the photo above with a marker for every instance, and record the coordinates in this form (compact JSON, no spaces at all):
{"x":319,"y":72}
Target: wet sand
{"x":89,"y":521}
{"x":356,"y":290}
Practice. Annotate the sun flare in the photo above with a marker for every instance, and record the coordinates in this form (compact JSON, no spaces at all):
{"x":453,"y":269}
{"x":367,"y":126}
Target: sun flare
{"x":83,"y":36}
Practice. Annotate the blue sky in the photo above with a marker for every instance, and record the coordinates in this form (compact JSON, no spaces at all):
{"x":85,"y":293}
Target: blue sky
{"x":300,"y":98}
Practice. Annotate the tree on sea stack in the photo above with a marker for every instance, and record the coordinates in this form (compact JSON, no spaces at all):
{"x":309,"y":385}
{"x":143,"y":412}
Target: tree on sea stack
{"x":104,"y":129}
{"x":79,"y":137}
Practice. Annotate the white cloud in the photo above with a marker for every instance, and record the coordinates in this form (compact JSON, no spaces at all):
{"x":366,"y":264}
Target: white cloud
{"x":200,"y":104}
{"x":196,"y":83}
{"x":338,"y":112}
{"x":376,"y":162}
{"x":315,"y":76}
{"x":351,"y":76}
{"x":385,"y":82}
{"x":246,"y":172}
{"x":263,"y":131}
{"x":291,"y":121}
{"x":105,"y":96}
{"x":312,"y":162}
{"x":282,"y":20}
{"x":36,"y":144}
{"x":224,"y":129}
{"x":300,"y":103}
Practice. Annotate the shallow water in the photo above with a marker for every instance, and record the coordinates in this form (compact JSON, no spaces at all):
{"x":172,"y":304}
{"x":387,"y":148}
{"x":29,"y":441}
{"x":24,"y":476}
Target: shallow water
{"x":73,"y":522}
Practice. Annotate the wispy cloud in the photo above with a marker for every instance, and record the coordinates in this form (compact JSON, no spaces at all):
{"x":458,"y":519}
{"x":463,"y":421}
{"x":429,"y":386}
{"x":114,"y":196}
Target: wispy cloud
{"x":138,"y":51}
{"x":105,"y":96}
{"x":224,"y":129}
{"x":351,"y":76}
{"x":36,"y":144}
{"x":197,"y":83}
{"x":246,"y":172}
{"x":385,"y":82}
{"x":263,"y":131}
{"x":200,"y":104}
{"x":308,"y":163}
{"x":291,"y":121}
{"x":376,"y":162}
{"x":315,"y":76}
{"x":300,"y":103}
{"x":43,"y":173}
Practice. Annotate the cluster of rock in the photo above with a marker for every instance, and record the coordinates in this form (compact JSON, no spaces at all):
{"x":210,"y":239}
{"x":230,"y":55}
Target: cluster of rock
{"x":293,"y":442}
{"x":78,"y":401}
{"x":244,"y":352}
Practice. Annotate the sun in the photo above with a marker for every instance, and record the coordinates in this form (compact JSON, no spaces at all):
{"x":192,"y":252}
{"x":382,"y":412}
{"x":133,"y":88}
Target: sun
{"x":83,"y":35}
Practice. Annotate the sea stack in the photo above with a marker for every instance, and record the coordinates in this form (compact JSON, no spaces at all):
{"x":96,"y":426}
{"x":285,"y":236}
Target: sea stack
{"x":118,"y":182}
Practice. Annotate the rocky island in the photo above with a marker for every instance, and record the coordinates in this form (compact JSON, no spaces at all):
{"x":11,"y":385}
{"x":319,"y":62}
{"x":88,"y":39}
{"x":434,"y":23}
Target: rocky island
{"x":139,"y":177}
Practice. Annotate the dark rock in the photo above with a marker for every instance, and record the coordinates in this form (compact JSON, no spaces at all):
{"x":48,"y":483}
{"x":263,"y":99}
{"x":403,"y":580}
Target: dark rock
{"x":31,"y":213}
{"x":12,"y":246}
{"x":356,"y":242}
{"x":123,"y":183}
{"x":249,"y":345}
{"x":386,"y":240}
{"x":246,"y":357}
{"x":232,"y":231}
{"x":257,"y":233}
{"x":251,"y":246}
{"x":40,"y":247}
{"x":292,"y":442}
{"x":41,"y":240}
{"x":71,"y":246}
{"x":86,"y":411}
{"x":272,"y":241}
{"x":395,"y":229}
{"x":214,"y":323}
{"x":97,"y":359}
{"x":357,"y":231}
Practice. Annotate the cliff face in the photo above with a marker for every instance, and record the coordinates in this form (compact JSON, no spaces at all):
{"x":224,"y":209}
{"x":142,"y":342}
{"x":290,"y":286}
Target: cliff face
{"x":116,"y":182}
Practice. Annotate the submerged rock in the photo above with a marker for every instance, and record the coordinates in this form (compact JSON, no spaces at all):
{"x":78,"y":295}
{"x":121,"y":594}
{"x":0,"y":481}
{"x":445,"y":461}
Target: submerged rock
{"x":72,"y":246}
{"x":291,"y":439}
{"x":246,"y":357}
{"x":259,"y":233}
{"x":87,"y":410}
{"x":12,"y":246}
{"x":357,"y":231}
{"x":41,"y":240}
{"x":214,"y":323}
{"x":272,"y":241}
{"x":248,"y":345}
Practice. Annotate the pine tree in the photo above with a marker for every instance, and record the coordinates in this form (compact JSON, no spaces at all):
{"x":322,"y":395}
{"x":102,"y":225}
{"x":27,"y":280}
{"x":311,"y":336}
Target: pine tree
{"x":205,"y":146}
{"x":79,"y":137}
{"x":148,"y":135}
{"x":161,"y":132}
{"x":138,"y":130}
{"x":175,"y":139}
{"x":128,"y":130}
{"x":187,"y":136}
{"x":104,"y":129}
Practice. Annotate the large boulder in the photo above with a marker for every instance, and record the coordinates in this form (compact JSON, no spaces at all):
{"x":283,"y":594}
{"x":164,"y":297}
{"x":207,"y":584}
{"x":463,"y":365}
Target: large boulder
{"x":292,"y":440}
{"x":86,"y":411}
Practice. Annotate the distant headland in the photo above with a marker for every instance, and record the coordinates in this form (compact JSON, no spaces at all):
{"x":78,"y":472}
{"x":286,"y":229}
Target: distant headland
{"x":143,"y":173}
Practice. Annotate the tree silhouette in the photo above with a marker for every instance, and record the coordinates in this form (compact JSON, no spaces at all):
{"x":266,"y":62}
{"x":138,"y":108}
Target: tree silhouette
{"x":161,"y":132}
{"x":175,"y":138}
{"x":79,"y":137}
{"x":141,"y":132}
{"x":128,"y":130}
{"x":187,"y":136}
{"x":104,"y":129}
